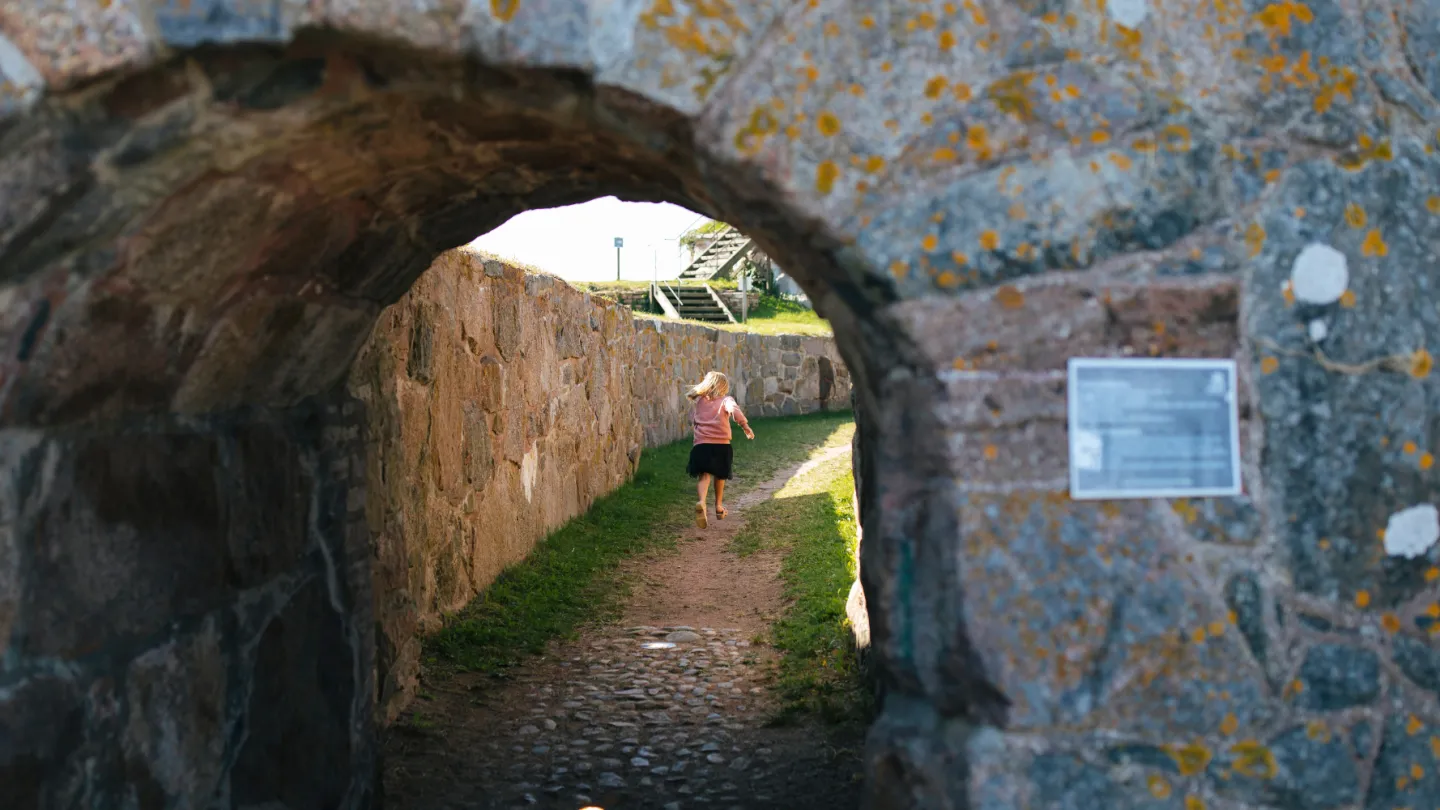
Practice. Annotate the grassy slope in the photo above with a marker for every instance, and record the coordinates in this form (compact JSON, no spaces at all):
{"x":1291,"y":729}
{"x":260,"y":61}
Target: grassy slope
{"x":777,"y":316}
{"x":570,"y":576}
{"x":812,"y":521}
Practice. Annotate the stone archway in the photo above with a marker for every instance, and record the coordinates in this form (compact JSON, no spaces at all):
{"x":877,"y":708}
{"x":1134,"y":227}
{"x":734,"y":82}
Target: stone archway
{"x":204,"y":205}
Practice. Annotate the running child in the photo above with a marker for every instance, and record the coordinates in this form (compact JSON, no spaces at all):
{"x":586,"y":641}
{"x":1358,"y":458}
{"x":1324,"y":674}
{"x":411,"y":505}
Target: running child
{"x":711,"y":456}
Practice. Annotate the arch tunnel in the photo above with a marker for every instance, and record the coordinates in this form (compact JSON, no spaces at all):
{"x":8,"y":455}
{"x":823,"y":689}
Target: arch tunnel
{"x":207,"y":204}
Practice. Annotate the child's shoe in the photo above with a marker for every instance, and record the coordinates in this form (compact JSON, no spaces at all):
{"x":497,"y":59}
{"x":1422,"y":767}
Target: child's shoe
{"x":700,"y":519}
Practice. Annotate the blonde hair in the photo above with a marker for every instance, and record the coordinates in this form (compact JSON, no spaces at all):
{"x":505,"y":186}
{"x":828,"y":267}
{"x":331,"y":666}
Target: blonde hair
{"x":714,"y":385}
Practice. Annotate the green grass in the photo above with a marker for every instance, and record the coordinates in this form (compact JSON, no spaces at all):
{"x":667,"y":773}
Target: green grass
{"x":812,"y":521}
{"x":571,"y":576}
{"x":779,"y":316}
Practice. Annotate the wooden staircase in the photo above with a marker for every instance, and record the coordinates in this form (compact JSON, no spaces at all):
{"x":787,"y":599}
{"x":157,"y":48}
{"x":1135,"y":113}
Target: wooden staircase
{"x":719,"y":259}
{"x":694,"y":302}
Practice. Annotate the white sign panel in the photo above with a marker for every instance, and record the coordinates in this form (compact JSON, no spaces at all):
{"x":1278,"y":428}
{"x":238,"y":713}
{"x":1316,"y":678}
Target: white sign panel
{"x":1153,"y":428}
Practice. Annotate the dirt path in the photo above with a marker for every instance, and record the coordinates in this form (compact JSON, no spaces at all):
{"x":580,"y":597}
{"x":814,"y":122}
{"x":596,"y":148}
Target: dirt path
{"x":707,"y":586}
{"x":669,"y":710}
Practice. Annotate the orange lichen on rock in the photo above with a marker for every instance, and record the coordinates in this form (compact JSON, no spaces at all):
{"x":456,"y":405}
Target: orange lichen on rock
{"x":1190,"y":759}
{"x":1374,"y":244}
{"x":1278,"y":18}
{"x":1354,"y":216}
{"x":825,"y":176}
{"x":1254,"y":760}
{"x":1255,"y":238}
{"x":1009,"y":297}
{"x":1230,"y":724}
{"x":1421,"y":363}
{"x":504,"y":10}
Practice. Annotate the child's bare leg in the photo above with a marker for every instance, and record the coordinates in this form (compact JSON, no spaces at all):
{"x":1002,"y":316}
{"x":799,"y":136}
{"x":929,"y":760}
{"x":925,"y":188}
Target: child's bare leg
{"x":702,"y":488}
{"x":720,"y":498}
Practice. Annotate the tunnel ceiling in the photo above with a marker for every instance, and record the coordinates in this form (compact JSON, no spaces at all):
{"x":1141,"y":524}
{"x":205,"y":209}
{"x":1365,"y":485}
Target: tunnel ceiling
{"x":222,"y":228}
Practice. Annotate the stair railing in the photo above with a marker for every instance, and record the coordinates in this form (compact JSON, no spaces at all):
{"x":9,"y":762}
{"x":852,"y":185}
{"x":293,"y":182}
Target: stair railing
{"x":720,"y":302}
{"x":734,"y":259}
{"x":664,"y":300}
{"x":719,"y":236}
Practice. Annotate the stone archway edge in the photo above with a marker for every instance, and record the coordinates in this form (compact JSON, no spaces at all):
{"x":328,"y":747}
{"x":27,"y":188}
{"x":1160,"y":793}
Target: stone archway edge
{"x":205,"y":205}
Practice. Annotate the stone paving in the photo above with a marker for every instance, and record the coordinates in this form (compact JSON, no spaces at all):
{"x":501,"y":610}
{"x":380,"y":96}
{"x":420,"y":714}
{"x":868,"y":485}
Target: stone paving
{"x":641,"y":717}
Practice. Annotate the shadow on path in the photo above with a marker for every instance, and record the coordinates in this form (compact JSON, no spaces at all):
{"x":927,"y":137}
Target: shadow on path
{"x":670,"y":710}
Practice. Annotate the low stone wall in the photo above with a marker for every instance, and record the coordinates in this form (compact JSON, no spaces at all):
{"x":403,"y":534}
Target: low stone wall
{"x":500,"y":404}
{"x":770,"y":375}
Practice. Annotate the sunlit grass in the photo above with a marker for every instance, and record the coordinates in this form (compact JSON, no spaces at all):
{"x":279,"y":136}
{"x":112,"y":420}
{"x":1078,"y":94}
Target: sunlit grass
{"x":572,"y":576}
{"x":779,"y":316}
{"x":811,"y":520}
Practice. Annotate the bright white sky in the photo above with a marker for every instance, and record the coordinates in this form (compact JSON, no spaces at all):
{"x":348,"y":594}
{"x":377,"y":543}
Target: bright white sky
{"x":577,"y":242}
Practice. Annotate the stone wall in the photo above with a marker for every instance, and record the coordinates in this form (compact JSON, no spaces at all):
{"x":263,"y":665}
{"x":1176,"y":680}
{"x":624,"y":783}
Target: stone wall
{"x":770,"y":375}
{"x":501,"y":403}
{"x":224,"y":657}
{"x":205,"y":207}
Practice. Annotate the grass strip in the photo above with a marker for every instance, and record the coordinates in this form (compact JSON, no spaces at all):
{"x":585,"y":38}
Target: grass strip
{"x":812,"y":522}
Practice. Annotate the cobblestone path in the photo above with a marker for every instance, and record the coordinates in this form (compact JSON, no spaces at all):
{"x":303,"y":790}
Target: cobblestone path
{"x":664,"y":715}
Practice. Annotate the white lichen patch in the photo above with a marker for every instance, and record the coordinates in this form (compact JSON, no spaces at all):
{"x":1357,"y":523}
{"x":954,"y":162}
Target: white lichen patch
{"x":1411,"y":532}
{"x":1129,"y":13}
{"x":529,"y":466}
{"x":1318,"y":330}
{"x":1320,"y":275}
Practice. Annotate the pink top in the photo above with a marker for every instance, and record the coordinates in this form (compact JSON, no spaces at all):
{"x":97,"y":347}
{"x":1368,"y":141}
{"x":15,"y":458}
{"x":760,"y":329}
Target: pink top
{"x":712,"y":419}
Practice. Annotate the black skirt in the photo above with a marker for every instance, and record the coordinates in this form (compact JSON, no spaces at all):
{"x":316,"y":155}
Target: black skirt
{"x":714,"y":459}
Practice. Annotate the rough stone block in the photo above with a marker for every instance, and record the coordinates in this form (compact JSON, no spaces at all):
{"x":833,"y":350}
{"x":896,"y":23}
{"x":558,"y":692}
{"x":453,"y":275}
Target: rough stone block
{"x":185,"y":23}
{"x":1307,"y":766}
{"x":1144,"y":635}
{"x":135,"y":532}
{"x":44,"y":720}
{"x":1322,"y":369}
{"x":1039,"y":325}
{"x":177,"y":702}
{"x":71,"y":44}
{"x":298,"y":745}
{"x":1337,"y":676}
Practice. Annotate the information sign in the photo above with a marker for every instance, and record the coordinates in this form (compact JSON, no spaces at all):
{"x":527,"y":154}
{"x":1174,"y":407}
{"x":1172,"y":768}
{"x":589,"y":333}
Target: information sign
{"x":1153,"y":428}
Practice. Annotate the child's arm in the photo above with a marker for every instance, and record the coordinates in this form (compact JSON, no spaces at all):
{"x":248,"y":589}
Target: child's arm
{"x":740,"y":417}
